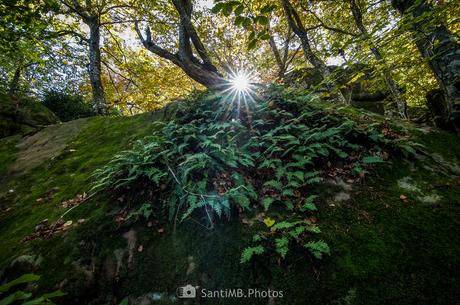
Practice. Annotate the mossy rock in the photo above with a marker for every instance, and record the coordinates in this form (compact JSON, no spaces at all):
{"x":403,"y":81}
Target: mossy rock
{"x":383,"y":250}
{"x":23,"y":115}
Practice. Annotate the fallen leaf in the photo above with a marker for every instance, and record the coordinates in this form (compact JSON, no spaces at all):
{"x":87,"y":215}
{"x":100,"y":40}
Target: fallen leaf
{"x":140,"y":248}
{"x":67,"y":224}
{"x":269,"y":222}
{"x":161,"y":230}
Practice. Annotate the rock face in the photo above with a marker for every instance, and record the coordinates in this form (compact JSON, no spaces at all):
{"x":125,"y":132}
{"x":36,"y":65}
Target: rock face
{"x":362,"y":92}
{"x":23,"y":116}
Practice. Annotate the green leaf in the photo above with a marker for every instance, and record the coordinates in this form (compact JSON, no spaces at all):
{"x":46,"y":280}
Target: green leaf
{"x":248,"y":253}
{"x":282,"y":246}
{"x":18,"y":295}
{"x":372,"y":159}
{"x":283,"y":225}
{"x":308,"y":204}
{"x":297,"y":231}
{"x":262,"y":20}
{"x":252,"y":44}
{"x":125,"y":301}
{"x":239,"y":9}
{"x":318,"y":248}
{"x":267,"y":201}
{"x":25,"y":278}
{"x":274,"y":184}
{"x":54,"y":294}
{"x":218,"y":7}
{"x":288,"y":192}
{"x":268,"y":8}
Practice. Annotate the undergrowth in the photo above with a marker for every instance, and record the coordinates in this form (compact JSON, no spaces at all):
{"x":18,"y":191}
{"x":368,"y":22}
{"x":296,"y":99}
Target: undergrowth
{"x":221,"y":158}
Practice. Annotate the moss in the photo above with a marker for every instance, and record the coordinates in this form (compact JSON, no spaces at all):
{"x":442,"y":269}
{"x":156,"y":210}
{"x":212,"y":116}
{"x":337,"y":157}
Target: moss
{"x":7,"y":154}
{"x":384,"y":250}
{"x":66,"y":175}
{"x":23,"y":115}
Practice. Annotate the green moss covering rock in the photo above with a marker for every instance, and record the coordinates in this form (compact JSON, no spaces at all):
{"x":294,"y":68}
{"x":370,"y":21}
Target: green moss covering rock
{"x":384,"y":250}
{"x":23,"y":115}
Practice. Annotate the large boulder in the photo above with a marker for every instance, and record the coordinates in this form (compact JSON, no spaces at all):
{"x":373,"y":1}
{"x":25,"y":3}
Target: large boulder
{"x":23,"y":115}
{"x":358,"y":85}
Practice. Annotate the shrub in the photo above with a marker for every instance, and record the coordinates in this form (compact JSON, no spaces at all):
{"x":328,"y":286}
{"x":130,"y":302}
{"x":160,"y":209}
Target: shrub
{"x":67,"y":106}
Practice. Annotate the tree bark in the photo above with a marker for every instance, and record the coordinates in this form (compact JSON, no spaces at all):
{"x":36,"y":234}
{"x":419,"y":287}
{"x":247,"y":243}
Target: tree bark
{"x":94,"y":68}
{"x":295,"y":23}
{"x":277,"y":55}
{"x":439,"y":47}
{"x":389,"y":81}
{"x":14,"y":82}
{"x":201,"y":69}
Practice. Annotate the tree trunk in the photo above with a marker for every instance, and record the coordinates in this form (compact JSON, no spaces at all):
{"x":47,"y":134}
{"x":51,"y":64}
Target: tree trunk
{"x":276,"y":54}
{"x":199,"y":69}
{"x":296,"y":24}
{"x":389,"y":81}
{"x":440,"y":48}
{"x":94,"y":69}
{"x":202,"y":75}
{"x":391,"y":85}
{"x":14,"y":82}
{"x":203,"y":72}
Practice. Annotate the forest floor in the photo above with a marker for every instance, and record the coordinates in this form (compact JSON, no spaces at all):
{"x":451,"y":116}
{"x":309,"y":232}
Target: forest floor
{"x":394,"y":234}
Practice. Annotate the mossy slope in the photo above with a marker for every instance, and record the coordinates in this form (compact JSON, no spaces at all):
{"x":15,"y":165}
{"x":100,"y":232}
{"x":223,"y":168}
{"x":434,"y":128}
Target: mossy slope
{"x":384,"y":250}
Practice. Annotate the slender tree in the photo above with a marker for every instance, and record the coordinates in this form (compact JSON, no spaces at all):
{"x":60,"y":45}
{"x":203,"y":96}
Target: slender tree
{"x":92,"y":13}
{"x":282,"y":56}
{"x":297,"y":26}
{"x":389,"y":81}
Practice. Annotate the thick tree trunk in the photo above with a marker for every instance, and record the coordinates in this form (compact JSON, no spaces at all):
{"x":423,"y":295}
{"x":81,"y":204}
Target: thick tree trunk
{"x":389,"y":81}
{"x":439,"y":47}
{"x":199,"y":69}
{"x":14,"y":82}
{"x":206,"y":77}
{"x":296,"y":24}
{"x":203,"y":72}
{"x":94,"y":69}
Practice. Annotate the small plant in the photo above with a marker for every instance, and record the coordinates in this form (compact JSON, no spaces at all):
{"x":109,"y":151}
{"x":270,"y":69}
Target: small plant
{"x":284,"y":234}
{"x":25,"y":298}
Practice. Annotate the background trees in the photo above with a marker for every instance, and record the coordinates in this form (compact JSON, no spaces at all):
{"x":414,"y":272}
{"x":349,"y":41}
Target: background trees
{"x":139,"y":54}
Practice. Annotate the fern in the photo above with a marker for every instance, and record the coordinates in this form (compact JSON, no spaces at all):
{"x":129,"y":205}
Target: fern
{"x":282,"y":246}
{"x":209,"y":161}
{"x":318,"y":248}
{"x":249,"y":252}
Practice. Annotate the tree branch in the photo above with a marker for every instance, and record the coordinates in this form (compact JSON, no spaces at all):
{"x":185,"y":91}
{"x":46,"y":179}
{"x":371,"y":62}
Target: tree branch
{"x":67,"y":32}
{"x":76,"y":8}
{"x":328,"y":27}
{"x":154,"y":48}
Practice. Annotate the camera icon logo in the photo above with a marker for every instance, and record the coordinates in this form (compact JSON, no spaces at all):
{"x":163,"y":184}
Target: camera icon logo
{"x":186,"y":292}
